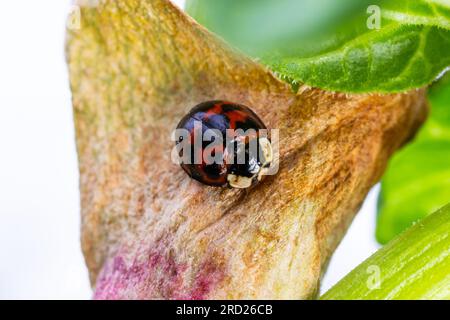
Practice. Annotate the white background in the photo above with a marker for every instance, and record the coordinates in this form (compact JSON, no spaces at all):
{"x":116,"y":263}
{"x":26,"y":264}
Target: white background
{"x":40,"y":255}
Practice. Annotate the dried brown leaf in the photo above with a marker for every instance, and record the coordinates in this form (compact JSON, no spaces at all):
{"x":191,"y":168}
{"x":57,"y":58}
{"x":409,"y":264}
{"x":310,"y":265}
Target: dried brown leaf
{"x":148,"y":231}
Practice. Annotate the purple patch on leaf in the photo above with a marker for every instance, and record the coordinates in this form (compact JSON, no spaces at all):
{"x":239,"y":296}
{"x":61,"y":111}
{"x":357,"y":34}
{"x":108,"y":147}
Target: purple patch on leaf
{"x":156,"y":275}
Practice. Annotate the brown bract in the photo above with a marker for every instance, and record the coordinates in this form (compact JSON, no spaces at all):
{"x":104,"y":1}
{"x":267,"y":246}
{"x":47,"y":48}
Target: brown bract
{"x":148,"y":231}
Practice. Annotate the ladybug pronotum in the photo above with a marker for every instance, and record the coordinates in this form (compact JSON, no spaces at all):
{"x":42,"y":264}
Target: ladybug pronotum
{"x":225,"y":117}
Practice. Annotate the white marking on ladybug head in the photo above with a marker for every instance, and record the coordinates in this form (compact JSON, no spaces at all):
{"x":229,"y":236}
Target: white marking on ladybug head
{"x":267,"y":152}
{"x":239,"y":182}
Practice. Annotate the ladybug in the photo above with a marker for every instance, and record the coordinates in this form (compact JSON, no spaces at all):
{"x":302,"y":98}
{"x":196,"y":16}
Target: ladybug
{"x":241,"y":149}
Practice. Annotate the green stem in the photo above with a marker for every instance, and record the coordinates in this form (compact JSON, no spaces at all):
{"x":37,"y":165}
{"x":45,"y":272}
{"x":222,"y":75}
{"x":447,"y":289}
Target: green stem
{"x":415,"y":265}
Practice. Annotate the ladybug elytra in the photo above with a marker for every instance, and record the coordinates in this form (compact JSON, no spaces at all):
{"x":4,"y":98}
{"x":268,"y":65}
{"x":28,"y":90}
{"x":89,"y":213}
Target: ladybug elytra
{"x":225,"y":144}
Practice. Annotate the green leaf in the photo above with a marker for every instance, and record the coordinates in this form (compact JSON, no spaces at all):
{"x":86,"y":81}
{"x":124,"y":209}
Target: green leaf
{"x":422,"y":12}
{"x":417,"y":181}
{"x":316,"y":43}
{"x":415,"y":265}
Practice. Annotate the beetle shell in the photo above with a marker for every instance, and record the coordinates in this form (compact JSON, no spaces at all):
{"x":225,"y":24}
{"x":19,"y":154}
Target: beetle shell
{"x":221,"y":115}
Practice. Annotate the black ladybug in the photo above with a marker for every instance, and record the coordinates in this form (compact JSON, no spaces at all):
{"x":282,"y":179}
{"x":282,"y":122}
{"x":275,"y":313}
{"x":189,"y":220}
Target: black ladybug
{"x":242,"y":151}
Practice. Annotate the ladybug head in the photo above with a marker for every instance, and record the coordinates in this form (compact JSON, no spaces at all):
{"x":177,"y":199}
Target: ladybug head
{"x":251,"y":160}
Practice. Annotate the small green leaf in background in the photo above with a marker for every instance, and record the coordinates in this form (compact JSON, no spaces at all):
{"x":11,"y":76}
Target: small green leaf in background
{"x":328,"y":43}
{"x":417,"y":181}
{"x":415,"y":265}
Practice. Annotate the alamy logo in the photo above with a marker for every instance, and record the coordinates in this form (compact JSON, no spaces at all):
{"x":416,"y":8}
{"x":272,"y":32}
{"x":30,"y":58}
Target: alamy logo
{"x":74,"y":19}
{"x":374,"y":279}
{"x":374,"y":20}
